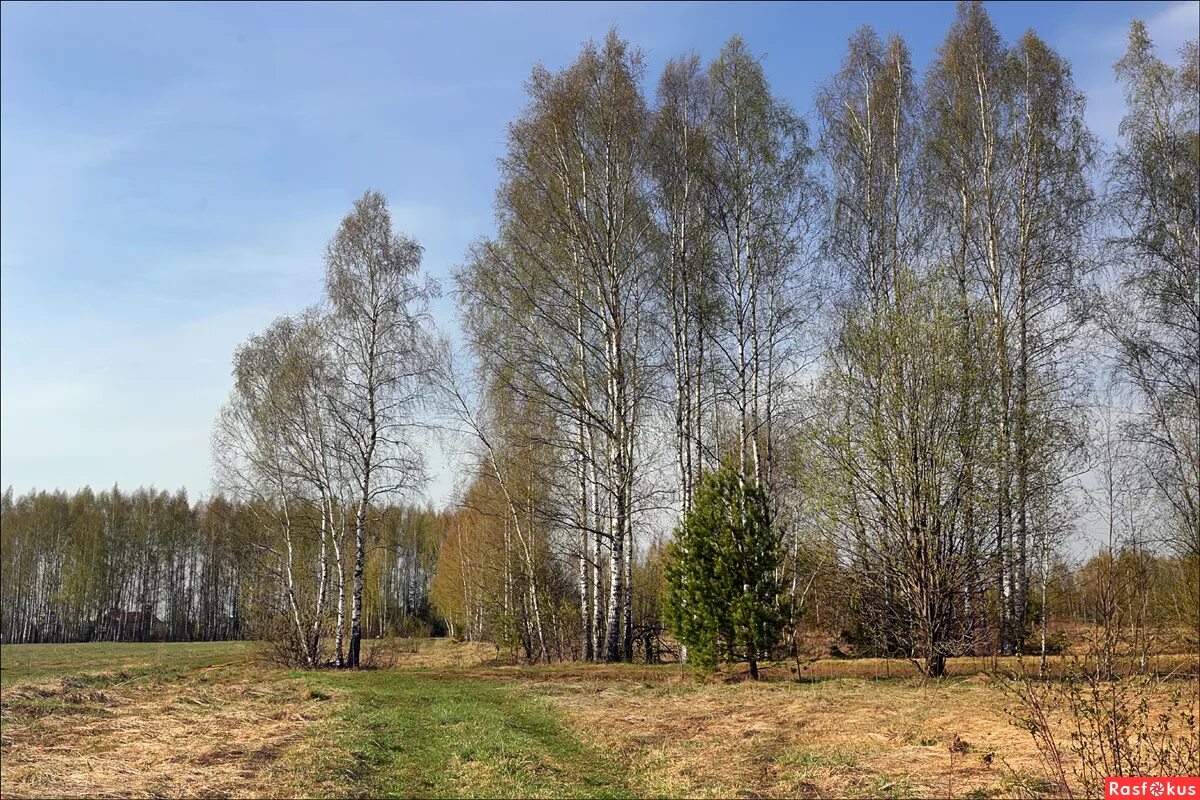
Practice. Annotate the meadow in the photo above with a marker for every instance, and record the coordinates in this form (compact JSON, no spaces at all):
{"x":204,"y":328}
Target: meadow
{"x":446,"y":719}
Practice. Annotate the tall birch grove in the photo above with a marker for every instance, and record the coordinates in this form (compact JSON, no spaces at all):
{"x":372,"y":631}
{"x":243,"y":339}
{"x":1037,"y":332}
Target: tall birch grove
{"x":1153,"y":314}
{"x":554,"y":310}
{"x":881,"y":323}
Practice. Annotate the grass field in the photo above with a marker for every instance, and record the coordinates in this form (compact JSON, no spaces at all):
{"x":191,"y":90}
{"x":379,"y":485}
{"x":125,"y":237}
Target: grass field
{"x":210,"y":720}
{"x":28,"y":663}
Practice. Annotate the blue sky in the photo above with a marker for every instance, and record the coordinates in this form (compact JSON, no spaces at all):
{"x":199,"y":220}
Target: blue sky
{"x":170,"y":175}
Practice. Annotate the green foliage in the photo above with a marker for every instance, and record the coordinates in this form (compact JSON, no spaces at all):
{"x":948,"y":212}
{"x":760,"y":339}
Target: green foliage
{"x":722,"y":594}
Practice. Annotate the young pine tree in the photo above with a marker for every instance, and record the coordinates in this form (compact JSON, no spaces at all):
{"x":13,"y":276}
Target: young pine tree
{"x":722,"y":593}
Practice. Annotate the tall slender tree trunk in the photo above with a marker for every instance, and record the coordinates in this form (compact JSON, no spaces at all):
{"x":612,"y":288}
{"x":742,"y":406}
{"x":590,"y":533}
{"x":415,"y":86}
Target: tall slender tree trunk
{"x":314,"y":643}
{"x":629,"y":553}
{"x":290,"y":586}
{"x":585,"y":599}
{"x":598,"y":628}
{"x":337,"y":539}
{"x":360,"y":556}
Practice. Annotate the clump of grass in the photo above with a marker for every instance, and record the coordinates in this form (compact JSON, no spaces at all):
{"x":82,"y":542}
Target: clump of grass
{"x":1027,"y":783}
{"x":810,"y":764}
{"x":892,"y":787}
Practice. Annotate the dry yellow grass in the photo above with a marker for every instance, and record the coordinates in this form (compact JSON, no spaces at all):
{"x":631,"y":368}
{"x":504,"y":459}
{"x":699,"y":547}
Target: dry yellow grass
{"x":235,"y":730}
{"x":846,"y":728}
{"x":245,"y":730}
{"x":431,"y":653}
{"x":843,"y":737}
{"x":226,"y":738}
{"x":1164,"y":663}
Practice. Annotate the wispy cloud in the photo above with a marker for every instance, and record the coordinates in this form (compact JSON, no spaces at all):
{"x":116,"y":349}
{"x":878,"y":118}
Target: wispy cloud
{"x":1094,"y":48}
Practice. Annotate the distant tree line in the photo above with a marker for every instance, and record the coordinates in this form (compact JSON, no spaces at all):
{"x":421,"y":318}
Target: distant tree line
{"x":147,"y":565}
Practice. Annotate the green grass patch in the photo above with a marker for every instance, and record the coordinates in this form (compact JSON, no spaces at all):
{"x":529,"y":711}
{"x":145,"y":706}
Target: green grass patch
{"x":413,"y":735}
{"x":30,"y":663}
{"x":808,"y":764}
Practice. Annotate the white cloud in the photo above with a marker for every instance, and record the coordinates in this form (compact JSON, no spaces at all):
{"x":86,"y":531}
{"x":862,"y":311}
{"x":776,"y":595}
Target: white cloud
{"x":1173,"y":26}
{"x":1093,"y":51}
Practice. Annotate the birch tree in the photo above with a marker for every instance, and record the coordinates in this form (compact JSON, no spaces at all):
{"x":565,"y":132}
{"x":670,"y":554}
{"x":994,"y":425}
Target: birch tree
{"x":892,"y":437}
{"x":1007,"y":156}
{"x":378,"y":316}
{"x":270,"y":449}
{"x":762,"y":201}
{"x":680,"y":159}
{"x":570,"y":273}
{"x":1153,"y":316}
{"x":869,"y":121}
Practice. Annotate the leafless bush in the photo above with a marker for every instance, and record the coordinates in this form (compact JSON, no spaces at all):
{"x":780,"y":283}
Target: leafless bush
{"x":412,"y":628}
{"x":277,"y":644}
{"x":1105,"y":716}
{"x":384,"y":653}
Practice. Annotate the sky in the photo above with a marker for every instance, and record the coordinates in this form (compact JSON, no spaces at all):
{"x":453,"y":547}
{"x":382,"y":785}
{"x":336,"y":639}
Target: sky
{"x":170,"y":174}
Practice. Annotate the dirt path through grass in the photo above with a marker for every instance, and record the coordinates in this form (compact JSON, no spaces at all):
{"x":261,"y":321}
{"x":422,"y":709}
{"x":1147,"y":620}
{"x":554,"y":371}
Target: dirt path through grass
{"x":403,"y":734}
